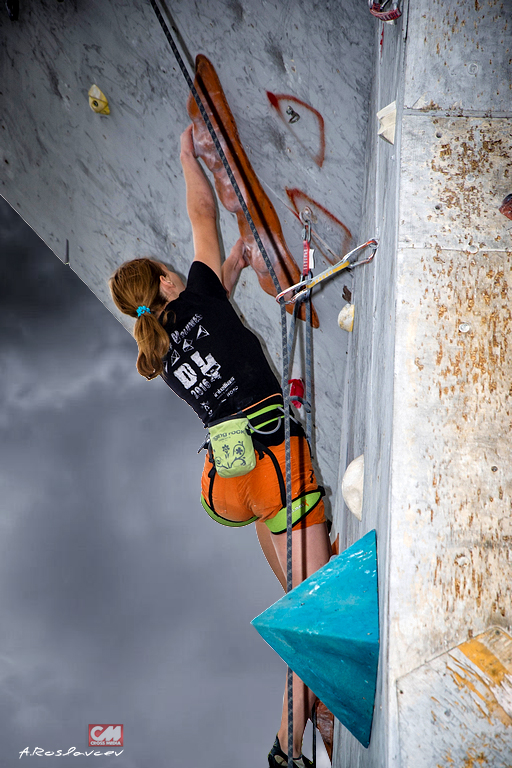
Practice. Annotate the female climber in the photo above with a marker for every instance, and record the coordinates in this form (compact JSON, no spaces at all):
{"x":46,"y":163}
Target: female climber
{"x":193,"y":338}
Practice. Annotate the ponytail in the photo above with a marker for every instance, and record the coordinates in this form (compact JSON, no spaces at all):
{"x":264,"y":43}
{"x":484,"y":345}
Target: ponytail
{"x":153,"y":342}
{"x":134,"y":284}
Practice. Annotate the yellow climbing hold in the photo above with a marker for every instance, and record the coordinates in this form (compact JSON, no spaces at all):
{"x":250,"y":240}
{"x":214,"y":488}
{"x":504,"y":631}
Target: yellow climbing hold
{"x":98,"y":101}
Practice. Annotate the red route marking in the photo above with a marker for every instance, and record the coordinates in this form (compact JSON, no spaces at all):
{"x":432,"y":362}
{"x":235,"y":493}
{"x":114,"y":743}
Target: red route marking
{"x":342,"y":234}
{"x":276,"y":99}
{"x":259,"y":204}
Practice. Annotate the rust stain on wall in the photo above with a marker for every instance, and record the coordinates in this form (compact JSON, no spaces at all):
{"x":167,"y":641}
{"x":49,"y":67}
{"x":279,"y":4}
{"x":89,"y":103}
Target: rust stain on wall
{"x":478,"y":294}
{"x":463,"y":162}
{"x":463,"y":700}
{"x":260,"y":207}
{"x":459,"y":174}
{"x":485,"y":660}
{"x":482,"y":687}
{"x":461,"y":423}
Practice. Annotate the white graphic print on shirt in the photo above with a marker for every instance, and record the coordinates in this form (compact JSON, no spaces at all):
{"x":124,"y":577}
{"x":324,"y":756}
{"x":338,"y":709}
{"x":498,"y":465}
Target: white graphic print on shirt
{"x":197,"y":373}
{"x":209,"y":367}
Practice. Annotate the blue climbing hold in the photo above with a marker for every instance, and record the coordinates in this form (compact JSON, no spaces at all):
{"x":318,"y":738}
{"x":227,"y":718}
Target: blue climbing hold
{"x":327,"y":631}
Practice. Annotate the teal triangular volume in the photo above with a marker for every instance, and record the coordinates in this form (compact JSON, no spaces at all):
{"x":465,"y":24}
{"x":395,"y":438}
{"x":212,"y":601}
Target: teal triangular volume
{"x":327,"y":631}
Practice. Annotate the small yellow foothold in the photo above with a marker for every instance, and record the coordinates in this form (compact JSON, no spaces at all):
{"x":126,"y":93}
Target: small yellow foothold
{"x":346,"y":317}
{"x":98,"y":101}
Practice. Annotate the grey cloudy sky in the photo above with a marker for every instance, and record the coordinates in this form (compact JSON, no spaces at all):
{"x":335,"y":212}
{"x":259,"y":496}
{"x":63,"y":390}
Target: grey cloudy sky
{"x":121,"y":601}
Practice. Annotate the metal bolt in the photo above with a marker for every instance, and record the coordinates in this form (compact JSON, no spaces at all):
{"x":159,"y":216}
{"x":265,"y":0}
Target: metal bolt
{"x":464,"y":328}
{"x":494,"y":469}
{"x":306,"y":214}
{"x":473,"y":68}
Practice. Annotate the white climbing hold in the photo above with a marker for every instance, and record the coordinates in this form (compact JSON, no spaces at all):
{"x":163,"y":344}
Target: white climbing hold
{"x":352,"y":486}
{"x":98,"y":101}
{"x":346,"y":317}
{"x":387,"y":120}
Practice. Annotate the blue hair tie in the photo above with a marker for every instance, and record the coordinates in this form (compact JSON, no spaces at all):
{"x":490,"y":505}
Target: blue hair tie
{"x":142,"y":310}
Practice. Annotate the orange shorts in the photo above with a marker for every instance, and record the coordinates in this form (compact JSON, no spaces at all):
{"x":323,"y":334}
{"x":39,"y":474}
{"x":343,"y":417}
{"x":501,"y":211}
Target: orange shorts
{"x":259,"y":493}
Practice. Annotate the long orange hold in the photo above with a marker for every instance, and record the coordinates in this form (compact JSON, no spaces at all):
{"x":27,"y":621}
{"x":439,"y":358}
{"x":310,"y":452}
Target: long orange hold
{"x":260,"y":207}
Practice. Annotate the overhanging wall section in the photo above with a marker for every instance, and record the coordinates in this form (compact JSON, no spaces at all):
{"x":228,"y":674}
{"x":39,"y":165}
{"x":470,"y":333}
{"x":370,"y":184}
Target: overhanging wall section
{"x":100,"y":190}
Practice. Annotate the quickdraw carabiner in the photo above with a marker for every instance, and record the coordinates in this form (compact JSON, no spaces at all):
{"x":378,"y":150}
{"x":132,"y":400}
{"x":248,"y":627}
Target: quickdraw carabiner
{"x":305,"y":286}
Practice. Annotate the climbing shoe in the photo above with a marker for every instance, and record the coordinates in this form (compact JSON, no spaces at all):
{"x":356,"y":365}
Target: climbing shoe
{"x":278,"y":759}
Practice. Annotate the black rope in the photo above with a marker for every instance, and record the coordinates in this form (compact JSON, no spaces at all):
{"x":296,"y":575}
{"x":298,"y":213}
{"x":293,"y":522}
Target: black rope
{"x":285,"y":362}
{"x":313,"y":720}
{"x":217,"y":144}
{"x":308,"y":388}
{"x":288,"y":462}
{"x":308,"y":394}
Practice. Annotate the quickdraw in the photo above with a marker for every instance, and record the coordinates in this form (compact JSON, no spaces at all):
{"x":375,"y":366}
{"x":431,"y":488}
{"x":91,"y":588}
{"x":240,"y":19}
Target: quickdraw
{"x":377,"y":10}
{"x":300,"y":391}
{"x":308,"y":263}
{"x":301,"y":289}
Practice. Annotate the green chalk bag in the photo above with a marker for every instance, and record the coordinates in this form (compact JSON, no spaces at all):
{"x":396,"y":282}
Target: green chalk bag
{"x":233,"y":451}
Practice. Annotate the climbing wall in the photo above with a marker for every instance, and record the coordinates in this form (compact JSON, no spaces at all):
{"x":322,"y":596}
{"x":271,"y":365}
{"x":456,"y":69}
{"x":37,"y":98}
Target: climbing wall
{"x":102,"y":189}
{"x":428,"y":390}
{"x":421,"y":387}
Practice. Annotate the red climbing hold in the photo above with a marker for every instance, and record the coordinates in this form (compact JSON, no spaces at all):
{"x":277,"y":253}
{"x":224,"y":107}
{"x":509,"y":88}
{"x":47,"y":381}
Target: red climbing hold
{"x":296,"y":390}
{"x":506,"y":207}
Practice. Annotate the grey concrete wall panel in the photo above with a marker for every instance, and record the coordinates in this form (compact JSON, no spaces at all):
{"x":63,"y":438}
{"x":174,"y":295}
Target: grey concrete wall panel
{"x":367,"y":423}
{"x":450,"y":497}
{"x":460,"y":698}
{"x":102,"y":183}
{"x":461,"y":59}
{"x":456,"y":172}
{"x":452,"y":488}
{"x":105,"y":189}
{"x":428,"y":377}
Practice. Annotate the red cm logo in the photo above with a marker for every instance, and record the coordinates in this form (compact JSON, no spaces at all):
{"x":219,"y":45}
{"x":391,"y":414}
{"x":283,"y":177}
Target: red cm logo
{"x":105,"y":735}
